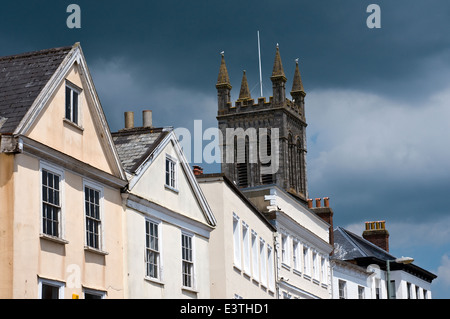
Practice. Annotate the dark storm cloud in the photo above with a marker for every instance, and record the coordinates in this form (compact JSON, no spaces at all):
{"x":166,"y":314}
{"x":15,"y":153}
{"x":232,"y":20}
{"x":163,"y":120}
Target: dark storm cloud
{"x":377,"y":100}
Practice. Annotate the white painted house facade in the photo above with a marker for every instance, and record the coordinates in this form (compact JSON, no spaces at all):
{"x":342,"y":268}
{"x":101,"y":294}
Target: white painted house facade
{"x":168,"y":221}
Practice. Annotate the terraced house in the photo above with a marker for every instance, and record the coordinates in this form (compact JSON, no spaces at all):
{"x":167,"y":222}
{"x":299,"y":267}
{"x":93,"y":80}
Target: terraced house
{"x":61,"y":231}
{"x":168,"y":220}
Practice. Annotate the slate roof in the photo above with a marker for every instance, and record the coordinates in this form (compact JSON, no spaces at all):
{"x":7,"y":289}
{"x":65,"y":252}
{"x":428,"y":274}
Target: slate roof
{"x":350,"y":246}
{"x":22,"y":77}
{"x":136,"y":144}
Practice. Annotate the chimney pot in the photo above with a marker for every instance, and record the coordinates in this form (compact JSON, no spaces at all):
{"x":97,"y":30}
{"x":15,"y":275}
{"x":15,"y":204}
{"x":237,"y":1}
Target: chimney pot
{"x":310,"y":203}
{"x":147,"y":118}
{"x":197,"y":170}
{"x":318,"y":204}
{"x":129,"y":119}
{"x":326,"y":201}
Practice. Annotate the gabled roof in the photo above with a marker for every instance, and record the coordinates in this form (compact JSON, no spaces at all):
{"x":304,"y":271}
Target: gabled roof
{"x":22,"y":78}
{"x":28,"y":82}
{"x":135,"y":145}
{"x":139,"y":147}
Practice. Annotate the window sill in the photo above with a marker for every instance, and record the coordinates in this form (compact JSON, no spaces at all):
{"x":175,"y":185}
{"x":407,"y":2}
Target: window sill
{"x":286,"y":266}
{"x":189,"y":289}
{"x":154,"y":280}
{"x":297,"y":272}
{"x":171,"y":188}
{"x":317,"y":282}
{"x":54,"y":239}
{"x":95,"y":251}
{"x":73,"y":124}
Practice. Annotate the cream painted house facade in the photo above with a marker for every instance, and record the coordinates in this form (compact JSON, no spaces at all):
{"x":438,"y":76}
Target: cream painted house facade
{"x":168,"y":220}
{"x":60,"y":182}
{"x":242,"y":250}
{"x":302,"y":241}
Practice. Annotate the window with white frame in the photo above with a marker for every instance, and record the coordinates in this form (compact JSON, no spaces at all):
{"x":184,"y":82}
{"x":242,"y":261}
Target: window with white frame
{"x":324,"y":270}
{"x":51,"y":201}
{"x":285,"y":249}
{"x":270,"y":268}
{"x":246,"y":247}
{"x":50,"y":289}
{"x":237,"y":240}
{"x":152,"y":249}
{"x":187,"y":260}
{"x":93,"y":294}
{"x":342,"y":286}
{"x":72,"y":102}
{"x":361,"y":292}
{"x":171,"y":173}
{"x":93,"y":196}
{"x":297,"y":256}
{"x":255,"y":263}
{"x":306,"y":261}
{"x":262,"y":256}
{"x":315,"y":265}
{"x":377,"y":288}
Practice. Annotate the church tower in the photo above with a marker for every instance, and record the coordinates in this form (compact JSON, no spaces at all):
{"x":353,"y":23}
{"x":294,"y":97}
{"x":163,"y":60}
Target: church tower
{"x":264,"y":142}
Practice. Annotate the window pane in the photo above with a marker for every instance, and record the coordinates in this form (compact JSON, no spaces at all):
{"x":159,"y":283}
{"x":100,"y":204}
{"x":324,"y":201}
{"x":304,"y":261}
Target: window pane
{"x":75,"y":107}
{"x":49,"y":292}
{"x":187,"y":265}
{"x":92,"y":207}
{"x":152,"y":253}
{"x":68,"y":106}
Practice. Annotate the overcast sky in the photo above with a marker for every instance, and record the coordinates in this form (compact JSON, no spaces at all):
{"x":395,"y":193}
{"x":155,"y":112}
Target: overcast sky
{"x":377,"y":104}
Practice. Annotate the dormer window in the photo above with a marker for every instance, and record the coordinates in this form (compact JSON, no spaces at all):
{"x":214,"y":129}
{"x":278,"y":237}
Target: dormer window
{"x":72,"y":103}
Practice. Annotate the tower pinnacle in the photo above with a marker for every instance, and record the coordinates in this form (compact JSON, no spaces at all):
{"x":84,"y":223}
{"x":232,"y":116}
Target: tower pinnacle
{"x":223,"y":80}
{"x":297,"y":85}
{"x":244,"y":93}
{"x":278,"y":72}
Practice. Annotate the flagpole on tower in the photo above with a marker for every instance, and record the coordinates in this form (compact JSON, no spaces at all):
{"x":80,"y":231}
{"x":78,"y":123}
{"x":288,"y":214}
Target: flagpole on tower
{"x":260,"y":72}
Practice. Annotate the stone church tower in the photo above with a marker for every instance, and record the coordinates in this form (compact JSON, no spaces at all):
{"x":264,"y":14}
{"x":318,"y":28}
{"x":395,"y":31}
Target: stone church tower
{"x":276,"y":127}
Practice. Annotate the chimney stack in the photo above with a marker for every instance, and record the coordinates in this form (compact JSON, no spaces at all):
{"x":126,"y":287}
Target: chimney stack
{"x":377,"y":234}
{"x":325,"y":213}
{"x":147,"y":118}
{"x":197,"y":170}
{"x":129,"y":119}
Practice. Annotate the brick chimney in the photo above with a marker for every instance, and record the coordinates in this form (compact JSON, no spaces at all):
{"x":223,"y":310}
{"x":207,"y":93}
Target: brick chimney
{"x":377,"y":234}
{"x":325,"y":212}
{"x":197,"y":170}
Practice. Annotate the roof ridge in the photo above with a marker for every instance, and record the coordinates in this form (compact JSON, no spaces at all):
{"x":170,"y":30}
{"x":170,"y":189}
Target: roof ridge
{"x":139,"y":129}
{"x":34,"y":53}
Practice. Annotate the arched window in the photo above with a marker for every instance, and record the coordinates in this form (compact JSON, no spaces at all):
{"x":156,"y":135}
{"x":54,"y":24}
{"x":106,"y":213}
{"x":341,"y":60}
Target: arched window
{"x":291,"y":161}
{"x":267,"y":150}
{"x":299,"y":165}
{"x":242,"y":164}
